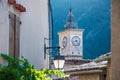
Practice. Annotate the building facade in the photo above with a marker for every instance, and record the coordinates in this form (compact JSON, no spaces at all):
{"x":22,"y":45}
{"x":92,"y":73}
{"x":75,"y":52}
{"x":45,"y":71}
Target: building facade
{"x":23,"y":26}
{"x":98,"y":69}
{"x":115,"y":65}
{"x":88,"y":71}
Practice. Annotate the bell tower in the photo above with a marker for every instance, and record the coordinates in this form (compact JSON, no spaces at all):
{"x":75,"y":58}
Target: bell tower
{"x":71,"y":38}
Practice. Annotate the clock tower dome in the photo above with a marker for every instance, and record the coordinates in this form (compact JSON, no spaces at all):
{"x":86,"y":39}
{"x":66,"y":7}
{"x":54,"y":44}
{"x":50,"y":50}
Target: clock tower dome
{"x":71,"y":38}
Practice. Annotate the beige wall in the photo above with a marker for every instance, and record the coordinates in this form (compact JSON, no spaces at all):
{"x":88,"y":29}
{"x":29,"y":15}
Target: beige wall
{"x":108,"y":70}
{"x":115,"y":39}
{"x":89,"y":77}
{"x":96,"y":76}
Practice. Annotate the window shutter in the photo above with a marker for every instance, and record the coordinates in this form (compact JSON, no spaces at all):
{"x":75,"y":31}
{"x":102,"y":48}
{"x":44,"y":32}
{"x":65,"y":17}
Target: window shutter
{"x":14,"y":35}
{"x":11,"y":34}
{"x":17,"y":37}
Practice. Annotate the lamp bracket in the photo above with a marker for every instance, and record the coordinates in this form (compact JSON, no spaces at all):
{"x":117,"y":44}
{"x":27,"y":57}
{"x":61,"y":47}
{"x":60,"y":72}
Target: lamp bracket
{"x":52,"y":47}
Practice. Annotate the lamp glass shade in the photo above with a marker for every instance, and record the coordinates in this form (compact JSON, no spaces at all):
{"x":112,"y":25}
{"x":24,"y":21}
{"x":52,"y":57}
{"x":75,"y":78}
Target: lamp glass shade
{"x":59,"y":61}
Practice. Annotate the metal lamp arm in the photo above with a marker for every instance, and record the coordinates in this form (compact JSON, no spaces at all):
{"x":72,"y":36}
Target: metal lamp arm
{"x":45,"y":48}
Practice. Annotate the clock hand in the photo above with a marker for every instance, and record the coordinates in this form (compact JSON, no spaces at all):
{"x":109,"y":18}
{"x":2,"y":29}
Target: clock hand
{"x":76,"y":41}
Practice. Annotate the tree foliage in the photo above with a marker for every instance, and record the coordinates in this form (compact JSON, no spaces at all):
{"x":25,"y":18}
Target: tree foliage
{"x":21,"y":69}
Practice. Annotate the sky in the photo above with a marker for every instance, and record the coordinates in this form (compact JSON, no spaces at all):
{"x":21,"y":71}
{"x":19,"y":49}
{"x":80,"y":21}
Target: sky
{"x":91,"y":15}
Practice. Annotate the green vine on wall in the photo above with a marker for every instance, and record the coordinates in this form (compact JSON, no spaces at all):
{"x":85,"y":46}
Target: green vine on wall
{"x":21,"y":69}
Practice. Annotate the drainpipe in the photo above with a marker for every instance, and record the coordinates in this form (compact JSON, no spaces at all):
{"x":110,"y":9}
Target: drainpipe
{"x":50,"y":30}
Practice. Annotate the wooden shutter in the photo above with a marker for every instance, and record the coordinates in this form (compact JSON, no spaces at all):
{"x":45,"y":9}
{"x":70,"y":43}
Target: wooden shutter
{"x":17,"y":37}
{"x":11,"y":34}
{"x":14,"y":35}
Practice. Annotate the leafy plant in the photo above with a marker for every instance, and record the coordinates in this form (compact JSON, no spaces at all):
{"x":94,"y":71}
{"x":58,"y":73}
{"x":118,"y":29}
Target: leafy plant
{"x":21,"y":69}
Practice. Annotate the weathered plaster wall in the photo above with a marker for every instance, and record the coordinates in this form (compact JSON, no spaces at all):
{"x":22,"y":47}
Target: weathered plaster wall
{"x":34,"y":29}
{"x":89,"y":77}
{"x":4,"y":29}
{"x":115,"y":40}
{"x":109,"y":70}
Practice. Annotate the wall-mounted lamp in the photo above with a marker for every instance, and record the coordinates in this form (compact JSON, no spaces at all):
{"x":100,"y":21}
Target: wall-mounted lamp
{"x":59,"y":60}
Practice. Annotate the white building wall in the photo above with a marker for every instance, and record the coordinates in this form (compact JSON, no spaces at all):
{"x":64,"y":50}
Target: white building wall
{"x":33,"y":30}
{"x":4,"y":29}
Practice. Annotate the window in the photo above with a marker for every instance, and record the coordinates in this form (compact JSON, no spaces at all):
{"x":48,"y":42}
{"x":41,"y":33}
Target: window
{"x":14,"y":35}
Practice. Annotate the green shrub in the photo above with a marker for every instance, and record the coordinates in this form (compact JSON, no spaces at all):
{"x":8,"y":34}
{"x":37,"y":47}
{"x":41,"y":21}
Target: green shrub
{"x":21,"y":69}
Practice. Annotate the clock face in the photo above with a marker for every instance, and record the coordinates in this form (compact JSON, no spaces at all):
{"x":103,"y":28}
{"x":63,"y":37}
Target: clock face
{"x":75,"y":40}
{"x":64,"y":42}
